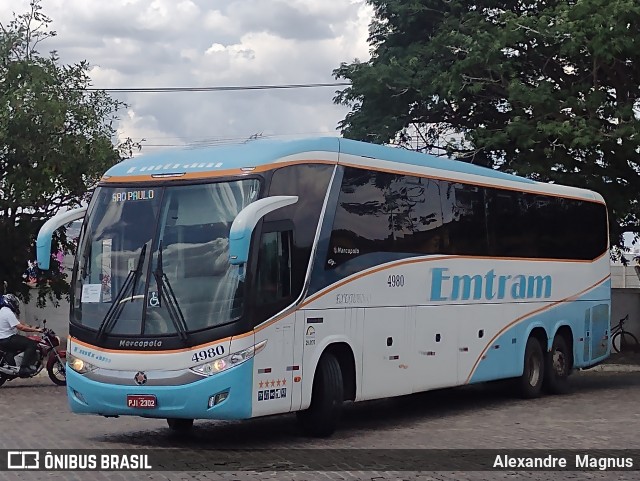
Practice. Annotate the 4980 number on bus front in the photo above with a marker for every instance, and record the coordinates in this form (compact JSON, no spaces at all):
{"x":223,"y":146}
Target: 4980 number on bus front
{"x":208,"y":353}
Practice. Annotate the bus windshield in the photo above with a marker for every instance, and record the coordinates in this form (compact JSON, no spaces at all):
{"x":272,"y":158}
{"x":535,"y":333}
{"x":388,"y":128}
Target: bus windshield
{"x":154,"y":261}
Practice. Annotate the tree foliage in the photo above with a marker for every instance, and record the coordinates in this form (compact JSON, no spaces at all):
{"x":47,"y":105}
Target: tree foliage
{"x":547,"y":89}
{"x":55,"y":143}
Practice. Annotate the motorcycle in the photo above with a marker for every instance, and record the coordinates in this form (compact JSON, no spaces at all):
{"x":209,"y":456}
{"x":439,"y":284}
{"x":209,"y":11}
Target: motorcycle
{"x":46,"y":357}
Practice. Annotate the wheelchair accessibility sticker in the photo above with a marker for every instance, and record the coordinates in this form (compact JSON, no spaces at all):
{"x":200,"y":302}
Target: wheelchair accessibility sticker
{"x":154,"y":300}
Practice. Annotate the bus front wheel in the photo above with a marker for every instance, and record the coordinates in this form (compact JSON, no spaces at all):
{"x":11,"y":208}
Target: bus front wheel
{"x":180,"y":425}
{"x":530,"y":383}
{"x":327,"y":396}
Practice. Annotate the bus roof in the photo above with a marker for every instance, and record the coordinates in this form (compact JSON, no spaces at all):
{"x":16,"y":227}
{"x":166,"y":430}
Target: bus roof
{"x":263,"y":154}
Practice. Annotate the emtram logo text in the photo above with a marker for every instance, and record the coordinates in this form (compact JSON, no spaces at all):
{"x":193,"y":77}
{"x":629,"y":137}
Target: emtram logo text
{"x":446,"y":287}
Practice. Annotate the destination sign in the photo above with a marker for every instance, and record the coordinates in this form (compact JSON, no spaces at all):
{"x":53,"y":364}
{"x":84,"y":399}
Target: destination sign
{"x":133,"y":195}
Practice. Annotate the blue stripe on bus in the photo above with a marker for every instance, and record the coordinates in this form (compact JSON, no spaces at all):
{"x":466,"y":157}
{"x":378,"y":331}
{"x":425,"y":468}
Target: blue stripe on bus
{"x":593,"y":308}
{"x":183,"y":401}
{"x":264,"y":152}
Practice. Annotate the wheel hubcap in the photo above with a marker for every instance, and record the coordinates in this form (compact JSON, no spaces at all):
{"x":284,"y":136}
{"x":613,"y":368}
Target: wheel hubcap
{"x":534,"y":371}
{"x":559,"y":362}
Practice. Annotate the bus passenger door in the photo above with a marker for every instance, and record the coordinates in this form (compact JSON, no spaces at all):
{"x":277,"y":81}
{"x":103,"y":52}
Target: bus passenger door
{"x":288,"y":353}
{"x":274,"y":374}
{"x":435,"y":348}
{"x":295,"y":389}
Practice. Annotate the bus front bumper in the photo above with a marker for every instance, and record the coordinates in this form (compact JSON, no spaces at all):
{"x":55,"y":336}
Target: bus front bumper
{"x":191,"y":401}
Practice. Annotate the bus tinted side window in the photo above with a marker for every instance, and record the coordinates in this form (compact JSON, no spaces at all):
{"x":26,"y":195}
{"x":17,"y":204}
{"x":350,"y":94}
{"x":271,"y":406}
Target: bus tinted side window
{"x":510,"y":226}
{"x":546,"y":223}
{"x":362,"y":224}
{"x":545,"y":227}
{"x":416,"y":214}
{"x":309,"y":182}
{"x":273,"y":277}
{"x":592,"y":228}
{"x":382,"y":216}
{"x":463,"y":210}
{"x":566,"y":228}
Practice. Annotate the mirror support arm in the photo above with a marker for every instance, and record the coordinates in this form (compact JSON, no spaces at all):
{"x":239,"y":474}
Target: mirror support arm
{"x":43,"y":242}
{"x":245,"y":222}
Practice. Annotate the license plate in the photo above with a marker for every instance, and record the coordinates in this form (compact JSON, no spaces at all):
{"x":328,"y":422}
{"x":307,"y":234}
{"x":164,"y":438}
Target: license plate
{"x":142,"y":401}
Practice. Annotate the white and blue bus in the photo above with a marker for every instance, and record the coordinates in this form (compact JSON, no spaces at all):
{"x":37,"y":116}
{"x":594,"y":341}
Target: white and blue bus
{"x":280,"y":276}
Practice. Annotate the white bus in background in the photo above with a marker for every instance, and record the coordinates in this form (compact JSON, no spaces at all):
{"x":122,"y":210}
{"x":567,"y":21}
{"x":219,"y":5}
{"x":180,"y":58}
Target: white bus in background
{"x":272,"y":277}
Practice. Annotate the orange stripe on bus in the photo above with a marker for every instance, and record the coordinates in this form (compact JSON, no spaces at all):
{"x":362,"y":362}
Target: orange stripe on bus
{"x":168,"y":351}
{"x":210,"y":174}
{"x":432,"y":259}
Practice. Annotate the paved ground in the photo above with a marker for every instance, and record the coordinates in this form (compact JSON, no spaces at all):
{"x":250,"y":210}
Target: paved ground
{"x":601,"y":412}
{"x":627,"y":357}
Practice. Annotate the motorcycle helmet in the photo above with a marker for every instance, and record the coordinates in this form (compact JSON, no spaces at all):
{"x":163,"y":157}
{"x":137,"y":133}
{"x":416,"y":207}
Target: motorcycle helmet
{"x":12,"y":303}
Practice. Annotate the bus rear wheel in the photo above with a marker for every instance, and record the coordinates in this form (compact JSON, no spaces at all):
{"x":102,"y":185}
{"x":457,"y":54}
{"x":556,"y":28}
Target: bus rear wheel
{"x":323,"y":415}
{"x":180,"y":425}
{"x":556,"y":374}
{"x":530,"y":383}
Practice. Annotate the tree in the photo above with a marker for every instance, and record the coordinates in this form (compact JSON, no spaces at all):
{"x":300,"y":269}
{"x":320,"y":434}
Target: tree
{"x":55,"y":143}
{"x":547,"y":89}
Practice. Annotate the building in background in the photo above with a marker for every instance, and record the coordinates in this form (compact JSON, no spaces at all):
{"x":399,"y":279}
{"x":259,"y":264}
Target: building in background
{"x":625,"y":291}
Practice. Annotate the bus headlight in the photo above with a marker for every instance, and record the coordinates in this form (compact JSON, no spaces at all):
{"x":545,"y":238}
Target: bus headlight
{"x":79,"y":365}
{"x":229,"y":361}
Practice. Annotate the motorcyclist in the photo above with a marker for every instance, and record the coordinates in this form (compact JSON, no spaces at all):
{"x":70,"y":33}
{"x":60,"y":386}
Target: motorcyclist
{"x":10,"y":340}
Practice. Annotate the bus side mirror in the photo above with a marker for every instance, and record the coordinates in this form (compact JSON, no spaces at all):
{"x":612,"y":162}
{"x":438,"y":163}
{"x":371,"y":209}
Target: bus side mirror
{"x":245,"y":222}
{"x":43,"y":242}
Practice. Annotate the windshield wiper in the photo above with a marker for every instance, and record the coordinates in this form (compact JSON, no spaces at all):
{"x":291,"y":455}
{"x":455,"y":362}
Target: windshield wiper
{"x":173,"y":308}
{"x":138,"y":273}
{"x":117,"y":305}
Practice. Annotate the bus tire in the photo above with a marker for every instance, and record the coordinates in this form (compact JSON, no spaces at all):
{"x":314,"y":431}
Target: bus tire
{"x":327,"y":396}
{"x":180,"y":425}
{"x":558,"y":367}
{"x":530,"y":383}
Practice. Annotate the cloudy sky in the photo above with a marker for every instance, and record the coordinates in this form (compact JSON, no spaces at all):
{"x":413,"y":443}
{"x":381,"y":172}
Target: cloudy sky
{"x":200,"y":43}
